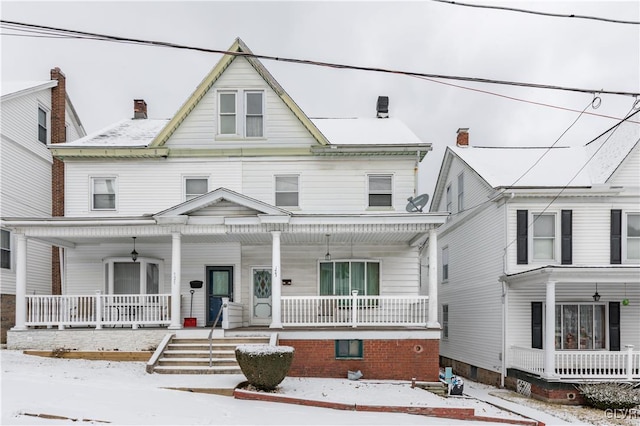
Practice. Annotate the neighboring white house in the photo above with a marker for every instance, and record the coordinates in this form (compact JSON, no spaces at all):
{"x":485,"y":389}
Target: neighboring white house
{"x":534,"y":234}
{"x":27,"y":130}
{"x":240,"y":204}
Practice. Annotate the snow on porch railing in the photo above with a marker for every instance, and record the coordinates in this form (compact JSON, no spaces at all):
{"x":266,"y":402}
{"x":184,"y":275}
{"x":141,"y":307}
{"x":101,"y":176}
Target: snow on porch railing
{"x":82,"y":310}
{"x":370,"y":310}
{"x":580,"y":364}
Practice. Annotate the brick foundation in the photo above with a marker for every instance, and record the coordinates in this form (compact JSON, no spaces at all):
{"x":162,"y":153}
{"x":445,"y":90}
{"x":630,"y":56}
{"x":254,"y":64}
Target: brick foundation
{"x":556,"y":392}
{"x":382,"y":359}
{"x":7,"y":315}
{"x":472,"y":372}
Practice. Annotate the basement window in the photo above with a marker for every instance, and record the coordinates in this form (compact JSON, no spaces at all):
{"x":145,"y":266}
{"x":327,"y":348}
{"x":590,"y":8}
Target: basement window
{"x":348,"y":349}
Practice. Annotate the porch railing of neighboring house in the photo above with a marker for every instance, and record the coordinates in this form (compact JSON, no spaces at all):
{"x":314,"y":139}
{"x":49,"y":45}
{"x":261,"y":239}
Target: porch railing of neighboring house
{"x":354,"y":310}
{"x":98,"y":310}
{"x":623,"y":364}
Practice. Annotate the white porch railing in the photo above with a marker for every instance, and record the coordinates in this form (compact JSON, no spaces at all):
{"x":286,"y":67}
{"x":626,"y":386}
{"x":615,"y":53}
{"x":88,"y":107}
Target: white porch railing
{"x":98,"y":310}
{"x":580,"y":364}
{"x":369,"y":310}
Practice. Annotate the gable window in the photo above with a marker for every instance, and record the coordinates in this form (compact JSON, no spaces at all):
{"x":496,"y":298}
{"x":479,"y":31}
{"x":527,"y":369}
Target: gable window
{"x":287,"y":190}
{"x":460,"y":192}
{"x":445,"y":321}
{"x":449,"y":199}
{"x":103,"y":193}
{"x":445,"y":264}
{"x":380,"y":190}
{"x":195,"y":186}
{"x":349,"y":349}
{"x":5,"y":249}
{"x":227,"y":113}
{"x":544,"y":236}
{"x":632,"y":237}
{"x":42,"y":125}
{"x":340,"y":277}
{"x":580,"y":326}
{"x":254,"y":115}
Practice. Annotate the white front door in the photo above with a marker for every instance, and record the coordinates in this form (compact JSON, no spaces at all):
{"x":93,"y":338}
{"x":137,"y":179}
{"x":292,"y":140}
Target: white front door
{"x":261,"y":289}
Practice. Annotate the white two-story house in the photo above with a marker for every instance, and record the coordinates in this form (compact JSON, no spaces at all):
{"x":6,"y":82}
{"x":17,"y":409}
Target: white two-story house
{"x":34,"y":115}
{"x":539,"y":263}
{"x":242,"y":212}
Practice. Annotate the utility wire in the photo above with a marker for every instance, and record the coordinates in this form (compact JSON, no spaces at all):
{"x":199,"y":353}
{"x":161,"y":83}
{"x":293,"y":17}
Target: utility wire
{"x":533,"y":12}
{"x":95,"y":36}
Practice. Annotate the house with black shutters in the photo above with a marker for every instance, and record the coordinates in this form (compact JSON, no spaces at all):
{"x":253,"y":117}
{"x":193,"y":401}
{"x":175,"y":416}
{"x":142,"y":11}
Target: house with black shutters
{"x":539,"y":262}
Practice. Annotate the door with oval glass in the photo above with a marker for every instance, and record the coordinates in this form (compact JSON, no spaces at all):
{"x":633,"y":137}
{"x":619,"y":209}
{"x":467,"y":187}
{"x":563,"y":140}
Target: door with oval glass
{"x":261,"y":296}
{"x":219,"y":285}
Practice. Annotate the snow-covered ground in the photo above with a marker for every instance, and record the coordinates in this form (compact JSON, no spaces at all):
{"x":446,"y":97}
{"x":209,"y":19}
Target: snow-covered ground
{"x":61,"y":391}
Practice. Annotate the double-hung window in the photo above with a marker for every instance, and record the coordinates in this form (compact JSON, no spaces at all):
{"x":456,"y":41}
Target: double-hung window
{"x":241,"y":113}
{"x":445,"y":264}
{"x":445,"y":321}
{"x":580,"y":326}
{"x":632,"y":239}
{"x":287,"y":190}
{"x":43,"y":122}
{"x":544,"y":237}
{"x":5,"y":249}
{"x":340,"y":277}
{"x":103,"y":193}
{"x":460,"y":192}
{"x":448,"y":197}
{"x":195,"y":187}
{"x":380,"y":191}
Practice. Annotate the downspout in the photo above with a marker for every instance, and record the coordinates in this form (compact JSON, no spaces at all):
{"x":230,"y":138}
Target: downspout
{"x":63,"y":281}
{"x":415,"y":174}
{"x":505,"y":303}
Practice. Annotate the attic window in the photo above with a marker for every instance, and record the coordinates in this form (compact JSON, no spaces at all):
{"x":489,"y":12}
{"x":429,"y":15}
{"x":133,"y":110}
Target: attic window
{"x":227,"y":105}
{"x":254,"y":118}
{"x":241,"y":113}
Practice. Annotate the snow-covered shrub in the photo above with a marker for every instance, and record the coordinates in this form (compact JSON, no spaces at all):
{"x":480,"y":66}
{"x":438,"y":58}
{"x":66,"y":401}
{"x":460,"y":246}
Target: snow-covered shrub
{"x":611,"y":395}
{"x":264,"y":366}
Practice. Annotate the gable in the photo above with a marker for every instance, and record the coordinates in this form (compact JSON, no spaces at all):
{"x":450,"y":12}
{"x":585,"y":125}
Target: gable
{"x":628,"y":173}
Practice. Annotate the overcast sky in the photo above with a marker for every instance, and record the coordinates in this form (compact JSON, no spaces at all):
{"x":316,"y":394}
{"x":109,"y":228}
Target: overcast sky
{"x":419,"y":36}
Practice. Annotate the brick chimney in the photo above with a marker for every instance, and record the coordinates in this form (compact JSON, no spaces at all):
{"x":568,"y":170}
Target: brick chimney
{"x":58,"y":135}
{"x":382,"y":107}
{"x":463,"y":137}
{"x":139,"y":108}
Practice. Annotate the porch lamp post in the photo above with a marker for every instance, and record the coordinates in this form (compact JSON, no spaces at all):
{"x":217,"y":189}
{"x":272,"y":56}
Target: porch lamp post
{"x":596,"y":296}
{"x":134,"y":253}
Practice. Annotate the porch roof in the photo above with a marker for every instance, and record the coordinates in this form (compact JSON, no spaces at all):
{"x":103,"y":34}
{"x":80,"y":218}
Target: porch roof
{"x":575,"y":274}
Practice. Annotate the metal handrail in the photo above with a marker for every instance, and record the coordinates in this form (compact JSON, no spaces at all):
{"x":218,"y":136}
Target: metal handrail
{"x":224,"y":305}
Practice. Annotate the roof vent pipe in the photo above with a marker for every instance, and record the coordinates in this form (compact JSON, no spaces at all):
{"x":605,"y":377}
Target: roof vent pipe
{"x":382,"y":107}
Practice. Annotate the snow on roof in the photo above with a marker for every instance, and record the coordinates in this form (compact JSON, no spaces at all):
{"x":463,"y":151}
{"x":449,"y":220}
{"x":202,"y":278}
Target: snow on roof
{"x":363,"y":131}
{"x":13,"y":87}
{"x":505,"y":166}
{"x":126,"y":133}
{"x":610,"y":149}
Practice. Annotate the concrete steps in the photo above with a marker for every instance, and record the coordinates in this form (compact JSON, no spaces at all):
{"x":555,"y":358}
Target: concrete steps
{"x":190,"y":355}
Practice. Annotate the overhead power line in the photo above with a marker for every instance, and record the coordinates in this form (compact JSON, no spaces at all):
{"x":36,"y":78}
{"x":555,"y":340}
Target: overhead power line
{"x":533,"y":12}
{"x":57,"y":32}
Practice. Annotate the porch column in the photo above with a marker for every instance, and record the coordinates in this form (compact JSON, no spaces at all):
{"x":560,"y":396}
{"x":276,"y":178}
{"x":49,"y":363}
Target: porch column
{"x":21,"y":282}
{"x":176,"y":271}
{"x":549,"y":343}
{"x":276,"y":282}
{"x":432,"y":321}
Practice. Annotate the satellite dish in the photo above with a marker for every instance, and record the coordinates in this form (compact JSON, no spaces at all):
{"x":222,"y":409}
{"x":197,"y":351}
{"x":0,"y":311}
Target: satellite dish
{"x":416,"y":204}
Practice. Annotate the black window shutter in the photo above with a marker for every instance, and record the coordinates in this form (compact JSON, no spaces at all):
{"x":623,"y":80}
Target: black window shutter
{"x":614,"y":326}
{"x":567,"y":237}
{"x":536,"y":325}
{"x":616,"y":237}
{"x":522,"y":237}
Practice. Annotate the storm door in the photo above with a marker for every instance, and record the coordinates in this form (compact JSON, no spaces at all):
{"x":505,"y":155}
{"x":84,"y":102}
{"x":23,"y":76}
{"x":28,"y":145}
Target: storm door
{"x":219,"y":285}
{"x":261,"y":283}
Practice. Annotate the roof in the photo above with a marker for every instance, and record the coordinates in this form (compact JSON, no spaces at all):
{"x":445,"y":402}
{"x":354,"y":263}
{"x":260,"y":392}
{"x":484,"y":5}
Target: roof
{"x":130,"y":133}
{"x":9,"y":89}
{"x":351,"y":131}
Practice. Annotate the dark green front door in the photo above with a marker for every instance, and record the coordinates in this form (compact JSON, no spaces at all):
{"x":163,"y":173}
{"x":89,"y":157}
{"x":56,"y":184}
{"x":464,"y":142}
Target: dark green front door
{"x":219,"y":285}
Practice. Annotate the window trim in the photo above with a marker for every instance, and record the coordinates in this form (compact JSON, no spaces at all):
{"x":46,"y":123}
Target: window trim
{"x":625,"y":237}
{"x":445,"y":266}
{"x":369,"y":193}
{"x":47,"y":124}
{"x":246,"y":112}
{"x":448,"y":200}
{"x":460,"y":192}
{"x":108,"y":266}
{"x":219,"y":93}
{"x":365,"y":261}
{"x":240,"y":113}
{"x":605,"y":325}
{"x":8,"y":249}
{"x":275,"y":189}
{"x":92,"y":187}
{"x":185,"y":178}
{"x":557,"y":237}
{"x":360,"y":347}
{"x":445,"y":321}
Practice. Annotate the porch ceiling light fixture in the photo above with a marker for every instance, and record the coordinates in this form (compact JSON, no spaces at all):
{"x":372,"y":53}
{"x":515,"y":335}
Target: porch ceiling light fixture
{"x":134,"y":253}
{"x":328,"y":255}
{"x":596,"y":296}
